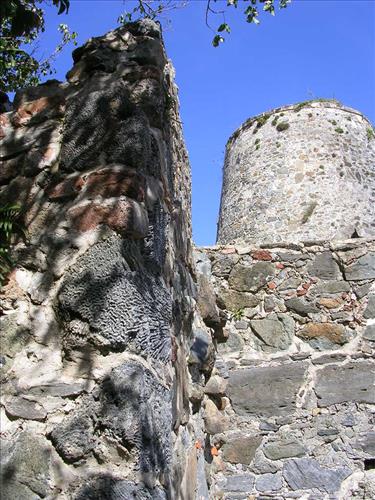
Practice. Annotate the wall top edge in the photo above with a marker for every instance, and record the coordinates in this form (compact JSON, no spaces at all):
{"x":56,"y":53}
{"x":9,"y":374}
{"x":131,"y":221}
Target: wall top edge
{"x":314,"y":103}
{"x":312,"y":245}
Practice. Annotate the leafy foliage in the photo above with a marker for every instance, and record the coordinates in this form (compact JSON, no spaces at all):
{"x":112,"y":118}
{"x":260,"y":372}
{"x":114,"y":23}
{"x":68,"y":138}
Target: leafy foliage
{"x":9,"y":225}
{"x":153,"y":9}
{"x":21,"y":22}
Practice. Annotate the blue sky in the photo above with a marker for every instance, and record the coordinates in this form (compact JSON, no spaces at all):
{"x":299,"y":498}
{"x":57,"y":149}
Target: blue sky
{"x":314,"y":48}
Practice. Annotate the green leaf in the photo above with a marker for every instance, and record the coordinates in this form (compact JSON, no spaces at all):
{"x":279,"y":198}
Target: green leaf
{"x":217,"y":40}
{"x":224,"y":27}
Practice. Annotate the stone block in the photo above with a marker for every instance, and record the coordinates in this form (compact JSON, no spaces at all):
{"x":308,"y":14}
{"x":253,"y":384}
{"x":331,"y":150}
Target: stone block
{"x":301,"y":306}
{"x":269,"y":482}
{"x":275,"y":332}
{"x":233,"y":300}
{"x":25,"y":467}
{"x":284,"y":448}
{"x":215,"y":421}
{"x":241,"y":450}
{"x":324,"y":335}
{"x":24,"y":408}
{"x":74,"y":438}
{"x":266,"y":391}
{"x":238,"y":483}
{"x":343,"y":383}
{"x":250,"y":278}
{"x":324,"y":267}
{"x":369,"y":312}
{"x":307,"y":473}
{"x":361,"y":269}
{"x":123,"y":215}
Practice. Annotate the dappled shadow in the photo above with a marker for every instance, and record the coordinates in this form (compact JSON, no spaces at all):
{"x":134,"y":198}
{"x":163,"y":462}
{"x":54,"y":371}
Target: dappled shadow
{"x":98,"y":215}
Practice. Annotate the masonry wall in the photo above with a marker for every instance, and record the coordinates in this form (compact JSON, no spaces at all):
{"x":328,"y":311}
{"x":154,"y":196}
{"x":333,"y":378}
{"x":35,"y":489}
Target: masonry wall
{"x":297,"y":173}
{"x":96,"y":315}
{"x":289,"y":405}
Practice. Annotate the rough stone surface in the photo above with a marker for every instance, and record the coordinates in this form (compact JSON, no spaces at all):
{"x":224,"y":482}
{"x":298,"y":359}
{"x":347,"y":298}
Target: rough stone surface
{"x":305,"y":473}
{"x":285,"y":448}
{"x":331,"y":390}
{"x":269,"y":482}
{"x":267,"y":391}
{"x":241,"y":450}
{"x":246,"y":278}
{"x":276,"y":332}
{"x":120,"y":305}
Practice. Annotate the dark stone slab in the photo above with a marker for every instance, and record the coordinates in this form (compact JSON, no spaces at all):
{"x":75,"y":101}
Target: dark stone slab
{"x":110,"y":488}
{"x":24,"y":472}
{"x":301,"y":306}
{"x":250,"y":278}
{"x":350,"y":382}
{"x":266,"y":391}
{"x":361,"y":269}
{"x":24,"y":408}
{"x":241,"y":450}
{"x":306,"y":473}
{"x":324,"y":267}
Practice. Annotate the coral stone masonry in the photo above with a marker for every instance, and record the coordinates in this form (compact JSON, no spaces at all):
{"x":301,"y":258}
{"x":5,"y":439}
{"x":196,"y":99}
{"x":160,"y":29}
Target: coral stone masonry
{"x":135,"y":366}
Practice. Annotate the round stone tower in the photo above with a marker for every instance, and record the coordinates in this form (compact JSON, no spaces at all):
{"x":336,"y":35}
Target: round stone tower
{"x":301,"y":172}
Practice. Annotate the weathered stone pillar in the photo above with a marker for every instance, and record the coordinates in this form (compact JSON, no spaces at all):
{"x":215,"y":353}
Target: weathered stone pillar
{"x":96,"y":314}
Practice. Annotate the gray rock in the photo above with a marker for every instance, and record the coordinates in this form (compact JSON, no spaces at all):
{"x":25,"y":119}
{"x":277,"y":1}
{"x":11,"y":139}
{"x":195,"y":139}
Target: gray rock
{"x":223,"y":264}
{"x":202,"y":350}
{"x":269,"y":482}
{"x":136,"y":409}
{"x":74,"y":438}
{"x":57,"y":389}
{"x":110,"y":488}
{"x":292,"y":257}
{"x":241,"y":450}
{"x":284,"y":448}
{"x":275,"y":332}
{"x":24,"y":408}
{"x":330,"y":388}
{"x":329,"y":358}
{"x":234,"y":343}
{"x":238,"y":483}
{"x":301,"y":306}
{"x":306,"y":473}
{"x":202,"y":263}
{"x":370,"y":309}
{"x":291,"y":283}
{"x":366,"y":442}
{"x":362,"y":269}
{"x":266,"y":391}
{"x":369,"y":333}
{"x":363,"y":290}
{"x":324,"y":267}
{"x":233,"y":300}
{"x":250,"y":278}
{"x":25,"y":464}
{"x":207,"y":302}
{"x":332,"y":287}
{"x":241,"y":325}
{"x":124,"y":308}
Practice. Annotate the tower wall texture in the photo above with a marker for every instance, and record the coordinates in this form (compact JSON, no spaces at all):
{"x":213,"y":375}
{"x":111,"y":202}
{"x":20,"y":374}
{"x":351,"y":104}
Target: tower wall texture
{"x":301,"y":172}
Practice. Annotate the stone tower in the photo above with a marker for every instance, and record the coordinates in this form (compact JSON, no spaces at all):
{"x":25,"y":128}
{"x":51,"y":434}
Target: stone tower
{"x":297,"y":173}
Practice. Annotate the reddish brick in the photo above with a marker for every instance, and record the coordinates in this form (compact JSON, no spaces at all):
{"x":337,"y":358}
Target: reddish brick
{"x":68,"y":188}
{"x":272,"y":285}
{"x":45,"y":107}
{"x":125,"y":216}
{"x":279,"y":265}
{"x":110,"y":182}
{"x":227,"y":251}
{"x":261,"y":255}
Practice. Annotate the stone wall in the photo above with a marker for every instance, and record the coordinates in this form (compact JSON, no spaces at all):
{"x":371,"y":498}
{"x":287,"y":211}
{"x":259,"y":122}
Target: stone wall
{"x":297,"y":173}
{"x":96,"y":315}
{"x":289,"y":405}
